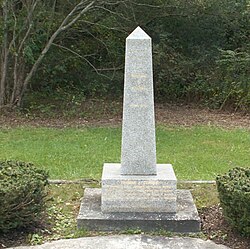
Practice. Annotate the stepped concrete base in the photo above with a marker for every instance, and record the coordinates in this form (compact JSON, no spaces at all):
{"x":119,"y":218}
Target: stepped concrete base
{"x":185,"y":220}
{"x":138,"y":193}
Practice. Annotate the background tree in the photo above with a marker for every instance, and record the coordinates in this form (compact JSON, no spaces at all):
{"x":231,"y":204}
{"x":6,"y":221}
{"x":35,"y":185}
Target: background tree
{"x":27,"y":30}
{"x":201,"y":49}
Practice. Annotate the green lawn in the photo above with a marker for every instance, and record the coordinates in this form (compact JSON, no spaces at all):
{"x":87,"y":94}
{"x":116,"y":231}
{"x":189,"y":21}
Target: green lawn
{"x":196,"y":153}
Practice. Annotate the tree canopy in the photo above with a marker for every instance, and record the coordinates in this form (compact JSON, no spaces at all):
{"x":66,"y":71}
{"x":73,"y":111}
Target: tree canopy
{"x":201,"y":48}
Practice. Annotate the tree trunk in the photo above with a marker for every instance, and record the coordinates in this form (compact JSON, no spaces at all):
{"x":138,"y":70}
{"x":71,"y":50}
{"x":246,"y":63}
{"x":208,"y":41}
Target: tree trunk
{"x":13,"y":94}
{"x":4,"y":56}
{"x":66,"y":23}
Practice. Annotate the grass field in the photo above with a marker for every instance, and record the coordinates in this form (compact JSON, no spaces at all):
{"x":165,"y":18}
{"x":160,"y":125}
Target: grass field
{"x":197,"y":153}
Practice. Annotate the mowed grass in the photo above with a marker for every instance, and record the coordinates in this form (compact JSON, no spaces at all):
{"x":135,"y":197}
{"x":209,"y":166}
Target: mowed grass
{"x":197,"y":153}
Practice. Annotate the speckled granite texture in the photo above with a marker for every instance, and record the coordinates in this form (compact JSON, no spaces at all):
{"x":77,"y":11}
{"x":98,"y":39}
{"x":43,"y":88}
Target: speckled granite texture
{"x":186,"y":219}
{"x":127,"y":193}
{"x":138,"y":128}
{"x":138,"y":193}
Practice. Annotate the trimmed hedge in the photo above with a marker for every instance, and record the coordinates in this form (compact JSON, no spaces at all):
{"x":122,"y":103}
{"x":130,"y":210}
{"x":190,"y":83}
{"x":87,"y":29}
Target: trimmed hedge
{"x":22,"y":193}
{"x":234,"y":194}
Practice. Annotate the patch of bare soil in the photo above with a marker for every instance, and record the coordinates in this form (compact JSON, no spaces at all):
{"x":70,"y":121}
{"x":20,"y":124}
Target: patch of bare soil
{"x":190,"y":115}
{"x":165,"y":114}
{"x":13,"y":239}
{"x":216,"y":228}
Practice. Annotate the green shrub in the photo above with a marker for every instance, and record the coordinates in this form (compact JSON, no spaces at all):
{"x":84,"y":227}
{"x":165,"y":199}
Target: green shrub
{"x":234,"y":194}
{"x":22,"y":192}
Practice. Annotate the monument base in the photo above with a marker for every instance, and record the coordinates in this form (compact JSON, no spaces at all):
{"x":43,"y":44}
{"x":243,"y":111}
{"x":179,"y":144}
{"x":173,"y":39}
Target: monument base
{"x":185,"y":220}
{"x":138,"y":193}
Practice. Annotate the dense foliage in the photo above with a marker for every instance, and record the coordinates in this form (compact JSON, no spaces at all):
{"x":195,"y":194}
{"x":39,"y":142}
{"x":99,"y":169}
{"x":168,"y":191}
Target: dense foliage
{"x":201,"y":49}
{"x":22,"y":192}
{"x":234,"y":194}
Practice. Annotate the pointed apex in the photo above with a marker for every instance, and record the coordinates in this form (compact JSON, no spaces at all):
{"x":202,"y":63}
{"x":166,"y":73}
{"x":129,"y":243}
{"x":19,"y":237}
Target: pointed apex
{"x":138,"y":34}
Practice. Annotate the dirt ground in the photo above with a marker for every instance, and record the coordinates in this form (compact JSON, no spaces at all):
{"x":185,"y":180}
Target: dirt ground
{"x":165,"y":114}
{"x":215,"y":227}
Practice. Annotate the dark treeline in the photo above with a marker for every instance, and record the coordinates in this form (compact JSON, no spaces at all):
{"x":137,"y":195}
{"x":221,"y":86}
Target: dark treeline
{"x":201,"y":49}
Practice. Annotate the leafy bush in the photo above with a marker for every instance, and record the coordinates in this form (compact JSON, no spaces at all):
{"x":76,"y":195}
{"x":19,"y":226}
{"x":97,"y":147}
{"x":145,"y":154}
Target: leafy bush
{"x":22,"y":192}
{"x":234,"y":75}
{"x":228,"y":85}
{"x":234,"y":194}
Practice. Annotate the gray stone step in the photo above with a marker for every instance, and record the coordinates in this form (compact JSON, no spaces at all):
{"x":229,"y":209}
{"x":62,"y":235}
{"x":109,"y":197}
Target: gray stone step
{"x":129,"y":242}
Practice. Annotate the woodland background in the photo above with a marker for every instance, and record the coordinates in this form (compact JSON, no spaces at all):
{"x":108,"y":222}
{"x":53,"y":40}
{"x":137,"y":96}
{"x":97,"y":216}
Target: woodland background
{"x":201,"y":49}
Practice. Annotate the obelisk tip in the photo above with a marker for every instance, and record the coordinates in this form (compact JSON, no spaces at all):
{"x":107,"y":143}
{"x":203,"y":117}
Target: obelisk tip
{"x":138,"y":33}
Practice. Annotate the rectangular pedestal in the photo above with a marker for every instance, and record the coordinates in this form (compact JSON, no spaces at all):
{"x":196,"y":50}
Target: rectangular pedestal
{"x":185,"y":220}
{"x":136,"y":193}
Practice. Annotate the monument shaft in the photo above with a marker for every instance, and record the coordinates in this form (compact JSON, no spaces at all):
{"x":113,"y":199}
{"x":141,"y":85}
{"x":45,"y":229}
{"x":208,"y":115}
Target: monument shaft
{"x":138,"y":194}
{"x":138,"y":129}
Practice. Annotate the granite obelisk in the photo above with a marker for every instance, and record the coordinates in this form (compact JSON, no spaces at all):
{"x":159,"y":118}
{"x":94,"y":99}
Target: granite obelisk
{"x":138,"y":193}
{"x":138,"y":129}
{"x":138,"y":184}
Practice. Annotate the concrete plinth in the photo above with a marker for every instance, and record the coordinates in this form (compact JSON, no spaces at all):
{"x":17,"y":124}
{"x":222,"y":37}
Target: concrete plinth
{"x":133,"y":193}
{"x":91,"y":217}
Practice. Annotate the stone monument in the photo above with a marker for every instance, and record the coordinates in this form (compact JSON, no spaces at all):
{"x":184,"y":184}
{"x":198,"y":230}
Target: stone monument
{"x":138,"y":193}
{"x":138,"y":128}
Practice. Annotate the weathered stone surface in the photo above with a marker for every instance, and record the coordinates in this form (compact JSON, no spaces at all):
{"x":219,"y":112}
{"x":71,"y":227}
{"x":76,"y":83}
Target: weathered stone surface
{"x":133,"y":193}
{"x":186,"y":218}
{"x":129,"y":242}
{"x":138,"y":193}
{"x":138,"y":128}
